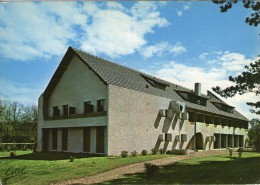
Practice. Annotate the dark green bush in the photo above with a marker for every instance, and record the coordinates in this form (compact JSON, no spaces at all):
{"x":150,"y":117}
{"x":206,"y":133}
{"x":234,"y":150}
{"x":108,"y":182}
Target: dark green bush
{"x":154,"y":152}
{"x":161,"y":151}
{"x":169,"y":152}
{"x":124,"y":153}
{"x":151,"y":170}
{"x":134,"y":153}
{"x":144,"y":152}
{"x":12,"y":154}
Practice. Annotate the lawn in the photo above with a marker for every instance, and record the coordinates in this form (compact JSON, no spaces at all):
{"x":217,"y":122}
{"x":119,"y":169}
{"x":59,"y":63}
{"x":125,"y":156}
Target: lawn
{"x":38,"y":169}
{"x":207,"y":170}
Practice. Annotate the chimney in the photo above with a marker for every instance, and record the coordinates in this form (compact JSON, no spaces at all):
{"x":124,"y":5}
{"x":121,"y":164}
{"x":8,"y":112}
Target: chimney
{"x":198,"y":88}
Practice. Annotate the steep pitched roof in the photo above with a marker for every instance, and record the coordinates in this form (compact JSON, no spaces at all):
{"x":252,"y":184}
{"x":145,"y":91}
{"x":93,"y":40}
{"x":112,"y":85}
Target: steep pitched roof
{"x":115,"y":74}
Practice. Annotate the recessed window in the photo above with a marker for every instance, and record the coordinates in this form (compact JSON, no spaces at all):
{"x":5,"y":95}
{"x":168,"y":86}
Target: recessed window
{"x":155,"y":83}
{"x":88,"y":108}
{"x":54,"y":139}
{"x":65,"y":110}
{"x":56,"y":111}
{"x":72,"y":110}
{"x":224,"y":107}
{"x":101,"y":105}
{"x":64,"y":139}
{"x":193,"y":98}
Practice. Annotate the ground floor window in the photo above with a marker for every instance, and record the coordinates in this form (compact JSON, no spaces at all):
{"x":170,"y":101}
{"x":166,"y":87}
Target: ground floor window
{"x":100,"y":139}
{"x":54,"y":139}
{"x":65,"y":139}
{"x":86,"y":139}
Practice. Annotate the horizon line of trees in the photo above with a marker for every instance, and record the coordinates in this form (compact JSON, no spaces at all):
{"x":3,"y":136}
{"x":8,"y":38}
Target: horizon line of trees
{"x":18,"y":122}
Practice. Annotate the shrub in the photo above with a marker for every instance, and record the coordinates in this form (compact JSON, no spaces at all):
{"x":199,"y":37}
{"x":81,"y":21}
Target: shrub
{"x":72,"y":158}
{"x":169,"y":152}
{"x":230,"y":152}
{"x":134,"y":153}
{"x":240,"y":151}
{"x":154,"y":152}
{"x":151,"y":170}
{"x":144,"y":152}
{"x":12,"y":154}
{"x":124,"y":153}
{"x":161,"y":151}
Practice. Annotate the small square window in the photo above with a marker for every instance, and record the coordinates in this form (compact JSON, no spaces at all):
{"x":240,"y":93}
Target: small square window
{"x":56,"y":111}
{"x":101,"y":105}
{"x":88,"y":108}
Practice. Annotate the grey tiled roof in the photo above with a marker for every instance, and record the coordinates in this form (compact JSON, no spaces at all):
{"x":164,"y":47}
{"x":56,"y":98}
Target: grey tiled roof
{"x":121,"y":76}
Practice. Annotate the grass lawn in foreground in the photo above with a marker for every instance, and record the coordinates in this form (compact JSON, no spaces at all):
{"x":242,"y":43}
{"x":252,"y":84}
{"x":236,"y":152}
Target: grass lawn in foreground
{"x":45,"y":171}
{"x":207,"y":170}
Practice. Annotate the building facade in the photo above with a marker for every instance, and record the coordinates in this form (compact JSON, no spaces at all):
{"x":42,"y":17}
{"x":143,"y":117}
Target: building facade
{"x":92,"y":105}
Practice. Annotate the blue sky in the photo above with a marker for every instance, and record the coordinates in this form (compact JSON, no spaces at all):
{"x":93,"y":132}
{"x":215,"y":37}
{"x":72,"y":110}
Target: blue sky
{"x":182,"y":42}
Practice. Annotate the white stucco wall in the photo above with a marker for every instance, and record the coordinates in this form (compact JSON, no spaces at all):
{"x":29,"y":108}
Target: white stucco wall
{"x":77,"y":85}
{"x":134,"y":124}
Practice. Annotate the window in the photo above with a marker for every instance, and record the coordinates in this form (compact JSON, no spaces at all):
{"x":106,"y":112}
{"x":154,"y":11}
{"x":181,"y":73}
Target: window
{"x":155,"y":83}
{"x":54,"y":139}
{"x":193,"y":98}
{"x":72,"y":110}
{"x":224,"y":107}
{"x":101,"y":105}
{"x":56,"y":111}
{"x":65,"y":110}
{"x":65,"y":139}
{"x":86,"y":139}
{"x":88,"y":108}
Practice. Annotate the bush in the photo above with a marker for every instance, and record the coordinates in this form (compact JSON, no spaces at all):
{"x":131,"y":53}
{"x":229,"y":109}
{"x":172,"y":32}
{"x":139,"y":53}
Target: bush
{"x":12,"y":154}
{"x":161,"y":151}
{"x":124,"y":153}
{"x":169,"y":152}
{"x":240,"y":151}
{"x":154,"y":152}
{"x":134,"y":153}
{"x":151,"y":170}
{"x":72,"y":158}
{"x":144,"y":152}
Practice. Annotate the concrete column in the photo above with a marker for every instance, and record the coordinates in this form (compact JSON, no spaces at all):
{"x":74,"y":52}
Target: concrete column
{"x":59,"y":140}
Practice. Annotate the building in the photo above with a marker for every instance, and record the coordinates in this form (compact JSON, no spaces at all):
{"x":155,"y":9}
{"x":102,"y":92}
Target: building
{"x":95,"y":106}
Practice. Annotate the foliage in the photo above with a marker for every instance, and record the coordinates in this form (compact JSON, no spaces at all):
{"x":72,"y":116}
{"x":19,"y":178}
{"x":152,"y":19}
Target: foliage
{"x":248,"y":81}
{"x":12,"y":154}
{"x":154,"y":151}
{"x":253,"y":19}
{"x":161,"y":151}
{"x":169,"y":152}
{"x":18,"y":122}
{"x":134,"y":153}
{"x":254,"y":134}
{"x":124,"y":154}
{"x":240,"y":151}
{"x":151,"y":170}
{"x":144,"y":152}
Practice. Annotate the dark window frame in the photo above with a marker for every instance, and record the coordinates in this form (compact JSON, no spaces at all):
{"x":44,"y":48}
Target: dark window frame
{"x":88,"y":107}
{"x":54,"y":135}
{"x":101,"y":105}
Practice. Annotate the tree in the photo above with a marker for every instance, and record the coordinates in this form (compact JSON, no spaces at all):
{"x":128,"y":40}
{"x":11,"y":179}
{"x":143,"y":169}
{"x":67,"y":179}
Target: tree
{"x":254,"y":134}
{"x":253,"y":19}
{"x":247,"y":81}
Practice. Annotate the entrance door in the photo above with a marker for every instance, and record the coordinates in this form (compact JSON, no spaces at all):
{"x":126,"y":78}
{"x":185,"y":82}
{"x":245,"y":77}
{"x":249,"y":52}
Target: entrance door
{"x":100,"y":139}
{"x":86,"y":139}
{"x":45,"y":139}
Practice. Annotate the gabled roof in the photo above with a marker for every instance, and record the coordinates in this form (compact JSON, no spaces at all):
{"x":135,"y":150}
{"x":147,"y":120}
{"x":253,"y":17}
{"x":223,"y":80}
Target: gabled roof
{"x":121,"y":76}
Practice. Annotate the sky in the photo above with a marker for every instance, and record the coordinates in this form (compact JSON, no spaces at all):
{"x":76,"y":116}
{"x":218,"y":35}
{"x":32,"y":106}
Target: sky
{"x":181,"y":42}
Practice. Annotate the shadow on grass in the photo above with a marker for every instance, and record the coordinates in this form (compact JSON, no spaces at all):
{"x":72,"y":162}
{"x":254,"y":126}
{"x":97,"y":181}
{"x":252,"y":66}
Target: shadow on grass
{"x":51,"y":156}
{"x":233,"y":171}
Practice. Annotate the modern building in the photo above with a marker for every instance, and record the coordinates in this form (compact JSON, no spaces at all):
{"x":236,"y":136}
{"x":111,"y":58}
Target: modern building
{"x":95,"y":106}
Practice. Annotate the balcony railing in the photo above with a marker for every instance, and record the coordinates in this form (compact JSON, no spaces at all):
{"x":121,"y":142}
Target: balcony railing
{"x":74,"y":116}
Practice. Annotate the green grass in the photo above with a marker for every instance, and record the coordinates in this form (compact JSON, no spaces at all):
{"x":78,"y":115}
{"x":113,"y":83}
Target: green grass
{"x":207,"y":170}
{"x":39,"y":170}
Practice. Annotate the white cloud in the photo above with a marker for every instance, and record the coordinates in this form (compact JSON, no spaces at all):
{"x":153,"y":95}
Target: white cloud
{"x":31,"y":30}
{"x":186,"y":7}
{"x":18,"y":92}
{"x":179,"y":13}
{"x":209,"y":76}
{"x":162,"y":47}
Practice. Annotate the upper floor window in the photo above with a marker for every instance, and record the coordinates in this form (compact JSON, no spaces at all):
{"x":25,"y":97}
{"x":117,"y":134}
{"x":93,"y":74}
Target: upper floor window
{"x":72,"y":110}
{"x":56,"y":111}
{"x":193,"y":98}
{"x":101,"y":105}
{"x":88,"y":108}
{"x":65,"y":110}
{"x":224,"y":107}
